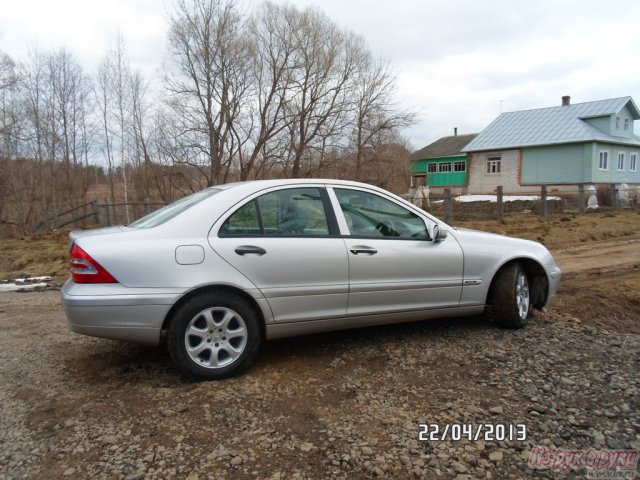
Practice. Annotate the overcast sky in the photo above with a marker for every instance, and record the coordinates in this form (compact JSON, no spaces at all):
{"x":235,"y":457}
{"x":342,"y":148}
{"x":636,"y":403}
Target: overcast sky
{"x":458,"y":62}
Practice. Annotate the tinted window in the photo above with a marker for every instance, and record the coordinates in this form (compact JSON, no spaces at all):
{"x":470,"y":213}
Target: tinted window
{"x":289,"y":212}
{"x":370,"y":215}
{"x":243,"y":222}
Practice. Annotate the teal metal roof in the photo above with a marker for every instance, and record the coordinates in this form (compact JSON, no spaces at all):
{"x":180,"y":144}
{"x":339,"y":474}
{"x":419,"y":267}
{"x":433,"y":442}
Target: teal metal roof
{"x":553,"y":125}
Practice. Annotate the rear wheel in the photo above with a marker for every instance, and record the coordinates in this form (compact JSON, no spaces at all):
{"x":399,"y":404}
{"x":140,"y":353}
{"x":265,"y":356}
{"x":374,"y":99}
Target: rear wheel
{"x":213,"y":336}
{"x":511,"y":298}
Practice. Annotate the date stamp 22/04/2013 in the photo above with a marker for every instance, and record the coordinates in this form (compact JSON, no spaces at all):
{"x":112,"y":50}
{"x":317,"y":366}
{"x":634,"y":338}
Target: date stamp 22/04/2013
{"x":434,"y":432}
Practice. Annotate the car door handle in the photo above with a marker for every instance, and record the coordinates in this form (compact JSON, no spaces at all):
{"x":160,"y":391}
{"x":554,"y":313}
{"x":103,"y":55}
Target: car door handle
{"x":356,"y":249}
{"x":244,"y":249}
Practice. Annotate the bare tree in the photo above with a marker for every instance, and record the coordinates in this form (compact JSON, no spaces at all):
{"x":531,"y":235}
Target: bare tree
{"x":104,"y":100}
{"x":8,"y":106}
{"x":142,"y":155}
{"x":208,"y":89}
{"x":325,"y":60}
{"x":70,"y":109}
{"x":8,"y":80}
{"x":272,"y":48}
{"x":374,"y":109}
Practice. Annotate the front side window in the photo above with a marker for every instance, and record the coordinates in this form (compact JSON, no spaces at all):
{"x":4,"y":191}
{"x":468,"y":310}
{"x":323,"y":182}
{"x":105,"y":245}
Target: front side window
{"x":603,"y":162}
{"x":292,"y":212}
{"x":432,"y":168}
{"x":617,"y":123}
{"x":494,"y":165}
{"x":369,"y":215}
{"x":626,"y":124}
{"x":620,"y":162}
{"x":633,"y":162}
{"x":459,"y":166}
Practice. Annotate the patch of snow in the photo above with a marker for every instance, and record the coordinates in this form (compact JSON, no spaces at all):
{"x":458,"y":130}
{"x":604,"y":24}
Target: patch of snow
{"x":494,"y":198}
{"x":24,"y":283}
{"x":33,"y":279}
{"x":12,"y":287}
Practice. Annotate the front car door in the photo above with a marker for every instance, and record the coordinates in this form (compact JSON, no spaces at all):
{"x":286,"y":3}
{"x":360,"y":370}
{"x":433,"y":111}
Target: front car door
{"x":286,"y":241}
{"x":393,"y":264}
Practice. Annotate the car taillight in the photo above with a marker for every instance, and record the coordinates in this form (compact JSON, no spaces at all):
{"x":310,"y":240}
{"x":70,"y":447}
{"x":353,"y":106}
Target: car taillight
{"x":85,"y":269}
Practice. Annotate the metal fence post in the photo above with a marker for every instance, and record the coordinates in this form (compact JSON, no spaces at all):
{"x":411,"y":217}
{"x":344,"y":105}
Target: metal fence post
{"x":448,"y":207}
{"x":581,"y":198}
{"x":500,"y":205}
{"x":543,"y":201}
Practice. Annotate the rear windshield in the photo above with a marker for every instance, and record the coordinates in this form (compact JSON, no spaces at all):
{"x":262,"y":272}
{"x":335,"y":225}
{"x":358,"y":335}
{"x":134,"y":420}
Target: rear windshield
{"x":167,"y":213}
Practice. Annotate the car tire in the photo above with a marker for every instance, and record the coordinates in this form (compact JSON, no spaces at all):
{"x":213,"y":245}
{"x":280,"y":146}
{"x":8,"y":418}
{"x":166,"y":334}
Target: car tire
{"x":510,"y":304}
{"x":213,"y":335}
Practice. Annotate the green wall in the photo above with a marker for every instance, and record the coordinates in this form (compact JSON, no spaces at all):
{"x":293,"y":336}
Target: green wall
{"x":577,"y":163}
{"x":443,"y":179}
{"x":557,"y":164}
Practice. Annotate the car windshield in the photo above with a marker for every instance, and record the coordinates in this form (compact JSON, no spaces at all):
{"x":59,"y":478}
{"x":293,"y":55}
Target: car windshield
{"x":166,"y":213}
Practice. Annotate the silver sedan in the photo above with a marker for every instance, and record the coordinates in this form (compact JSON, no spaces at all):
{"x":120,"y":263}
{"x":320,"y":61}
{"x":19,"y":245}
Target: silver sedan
{"x":220,"y":271}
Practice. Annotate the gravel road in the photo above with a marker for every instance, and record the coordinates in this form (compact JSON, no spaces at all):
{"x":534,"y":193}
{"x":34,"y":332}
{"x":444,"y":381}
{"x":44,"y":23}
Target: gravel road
{"x":344,"y":405}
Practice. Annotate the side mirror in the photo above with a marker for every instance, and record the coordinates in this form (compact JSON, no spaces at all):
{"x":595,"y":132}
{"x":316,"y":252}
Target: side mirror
{"x":439,"y":234}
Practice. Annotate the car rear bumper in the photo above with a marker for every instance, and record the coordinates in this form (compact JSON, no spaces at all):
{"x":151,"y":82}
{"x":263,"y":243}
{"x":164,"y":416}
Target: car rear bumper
{"x":117,"y":312}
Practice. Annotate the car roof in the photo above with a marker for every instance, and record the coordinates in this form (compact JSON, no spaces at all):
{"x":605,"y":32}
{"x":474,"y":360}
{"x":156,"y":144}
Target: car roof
{"x":262,"y":184}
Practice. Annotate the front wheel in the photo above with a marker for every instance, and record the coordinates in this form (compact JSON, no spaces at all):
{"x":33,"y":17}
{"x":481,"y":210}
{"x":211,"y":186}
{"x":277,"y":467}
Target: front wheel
{"x":213,"y":335}
{"x":511,"y":297}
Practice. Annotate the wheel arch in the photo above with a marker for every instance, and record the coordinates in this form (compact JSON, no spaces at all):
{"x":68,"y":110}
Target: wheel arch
{"x":538,"y":281}
{"x":212,"y":290}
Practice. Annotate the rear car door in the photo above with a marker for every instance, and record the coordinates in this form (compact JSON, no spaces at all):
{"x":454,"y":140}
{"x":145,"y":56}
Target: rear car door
{"x":286,"y":241}
{"x":393,"y":264}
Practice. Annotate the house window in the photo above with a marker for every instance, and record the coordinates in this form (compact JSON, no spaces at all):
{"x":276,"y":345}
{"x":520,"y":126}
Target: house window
{"x":617,"y":123}
{"x":444,"y":167}
{"x":626,"y":124}
{"x":493,"y":164}
{"x":603,"y":164}
{"x":459,"y":166}
{"x":633,"y":162}
{"x":432,"y":168}
{"x":620,"y":161}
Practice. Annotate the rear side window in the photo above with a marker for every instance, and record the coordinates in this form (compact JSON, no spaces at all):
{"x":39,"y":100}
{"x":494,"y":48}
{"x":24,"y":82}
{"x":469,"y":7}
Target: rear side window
{"x":244,"y":222}
{"x":289,"y":212}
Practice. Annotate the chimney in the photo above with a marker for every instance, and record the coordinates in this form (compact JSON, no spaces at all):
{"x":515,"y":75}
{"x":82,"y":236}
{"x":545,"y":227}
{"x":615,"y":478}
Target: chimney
{"x":566,"y":100}
{"x":455,"y":131}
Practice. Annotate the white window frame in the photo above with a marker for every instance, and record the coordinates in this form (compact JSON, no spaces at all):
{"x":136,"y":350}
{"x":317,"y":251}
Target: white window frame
{"x":434,"y":165}
{"x":462,"y":164}
{"x":494,"y":165}
{"x":617,"y":123}
{"x":442,"y":169}
{"x":633,"y":162}
{"x":626,"y":124}
{"x":620,"y":163}
{"x":603,"y":165}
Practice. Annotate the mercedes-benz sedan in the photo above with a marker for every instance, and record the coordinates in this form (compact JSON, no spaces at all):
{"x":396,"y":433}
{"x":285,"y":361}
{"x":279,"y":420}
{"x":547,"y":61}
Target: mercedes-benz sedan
{"x":220,"y":271}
